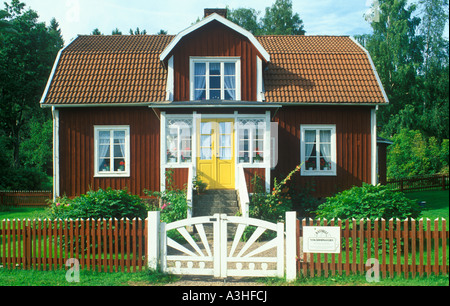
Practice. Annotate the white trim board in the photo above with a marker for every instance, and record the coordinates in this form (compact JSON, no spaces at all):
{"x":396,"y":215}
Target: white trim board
{"x":224,"y":21}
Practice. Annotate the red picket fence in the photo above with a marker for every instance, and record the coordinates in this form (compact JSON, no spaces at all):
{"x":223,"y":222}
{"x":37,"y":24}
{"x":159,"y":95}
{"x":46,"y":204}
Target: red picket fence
{"x":412,"y":248}
{"x":25,"y":198}
{"x":98,"y":245}
{"x":420,"y":183}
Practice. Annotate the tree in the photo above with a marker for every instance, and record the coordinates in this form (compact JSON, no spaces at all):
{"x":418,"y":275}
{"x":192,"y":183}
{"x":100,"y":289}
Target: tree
{"x":26,"y":59}
{"x":411,"y":58}
{"x":435,"y":69}
{"x":96,"y":31}
{"x":279,"y":19}
{"x":246,"y":18}
{"x":116,"y":31}
{"x":396,"y":51}
{"x":138,"y":32}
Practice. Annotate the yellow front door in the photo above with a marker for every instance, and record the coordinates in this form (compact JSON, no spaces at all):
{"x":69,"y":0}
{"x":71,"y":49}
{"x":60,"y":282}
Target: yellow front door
{"x":215,"y":161}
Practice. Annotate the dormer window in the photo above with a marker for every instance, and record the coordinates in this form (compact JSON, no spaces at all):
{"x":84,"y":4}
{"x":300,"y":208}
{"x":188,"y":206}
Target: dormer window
{"x":215,"y":79}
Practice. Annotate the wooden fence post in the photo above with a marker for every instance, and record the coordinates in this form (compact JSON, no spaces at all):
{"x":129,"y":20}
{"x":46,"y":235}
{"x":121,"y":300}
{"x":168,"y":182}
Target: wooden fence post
{"x":153,"y":239}
{"x":291,"y":245}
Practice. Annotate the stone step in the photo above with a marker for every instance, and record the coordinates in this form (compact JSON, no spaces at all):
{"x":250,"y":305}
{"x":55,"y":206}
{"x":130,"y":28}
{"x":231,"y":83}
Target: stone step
{"x":210,"y":211}
{"x":218,"y":204}
{"x":215,"y":202}
{"x":216,"y":197}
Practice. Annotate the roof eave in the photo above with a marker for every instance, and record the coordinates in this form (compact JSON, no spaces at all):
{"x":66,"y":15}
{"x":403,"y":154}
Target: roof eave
{"x":225,"y":22}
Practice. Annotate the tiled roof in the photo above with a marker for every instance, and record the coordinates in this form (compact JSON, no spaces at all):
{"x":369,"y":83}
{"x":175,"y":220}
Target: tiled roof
{"x":319,"y":69}
{"x":110,"y":69}
{"x":127,"y":69}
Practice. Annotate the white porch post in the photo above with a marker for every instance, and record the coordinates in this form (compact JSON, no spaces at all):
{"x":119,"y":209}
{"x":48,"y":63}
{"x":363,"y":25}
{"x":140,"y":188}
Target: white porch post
{"x":153,"y":239}
{"x":291,"y":245}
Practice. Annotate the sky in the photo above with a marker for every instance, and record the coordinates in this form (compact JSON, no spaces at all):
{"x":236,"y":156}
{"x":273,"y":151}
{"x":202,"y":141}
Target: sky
{"x":320,"y":17}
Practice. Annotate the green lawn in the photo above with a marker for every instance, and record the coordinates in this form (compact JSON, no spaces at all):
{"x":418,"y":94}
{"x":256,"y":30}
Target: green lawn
{"x":145,"y":278}
{"x":23,"y":213}
{"x":437,"y":203}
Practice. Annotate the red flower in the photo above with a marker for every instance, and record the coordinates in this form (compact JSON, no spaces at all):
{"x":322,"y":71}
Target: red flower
{"x":122,"y":163}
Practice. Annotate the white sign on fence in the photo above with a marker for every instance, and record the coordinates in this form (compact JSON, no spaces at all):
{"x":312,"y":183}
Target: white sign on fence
{"x":321,"y":239}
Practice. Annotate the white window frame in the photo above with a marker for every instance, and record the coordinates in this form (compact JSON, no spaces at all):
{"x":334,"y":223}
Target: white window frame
{"x":178,"y":163}
{"x":318,"y":128}
{"x":222,"y":61}
{"x":251,"y":139}
{"x":111,"y":128}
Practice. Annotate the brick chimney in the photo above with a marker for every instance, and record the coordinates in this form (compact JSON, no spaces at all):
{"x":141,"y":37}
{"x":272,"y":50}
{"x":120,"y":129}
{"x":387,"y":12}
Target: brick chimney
{"x":221,"y":12}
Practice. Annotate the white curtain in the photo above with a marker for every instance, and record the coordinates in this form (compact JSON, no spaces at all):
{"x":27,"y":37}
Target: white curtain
{"x":230,"y":80}
{"x":103,"y":148}
{"x":325,"y":146}
{"x":310,"y":139}
{"x":199,"y":80}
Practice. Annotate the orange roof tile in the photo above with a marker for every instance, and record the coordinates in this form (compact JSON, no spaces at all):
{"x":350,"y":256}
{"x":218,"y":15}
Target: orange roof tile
{"x":127,"y":69}
{"x":319,"y":69}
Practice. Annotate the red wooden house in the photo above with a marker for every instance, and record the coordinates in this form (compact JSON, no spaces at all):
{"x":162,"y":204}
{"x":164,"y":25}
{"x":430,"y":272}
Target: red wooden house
{"x":214,"y":101}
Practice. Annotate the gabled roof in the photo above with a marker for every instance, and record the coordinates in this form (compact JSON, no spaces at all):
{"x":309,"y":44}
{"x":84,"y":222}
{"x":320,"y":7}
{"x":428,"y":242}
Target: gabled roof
{"x":127,"y":69}
{"x":224,"y":21}
{"x":320,"y":69}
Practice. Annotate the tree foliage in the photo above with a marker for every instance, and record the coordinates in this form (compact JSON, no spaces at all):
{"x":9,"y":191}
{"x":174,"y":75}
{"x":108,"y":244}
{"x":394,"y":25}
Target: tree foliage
{"x":279,"y":19}
{"x":411,"y":57}
{"x":413,"y":154}
{"x":27,"y":55}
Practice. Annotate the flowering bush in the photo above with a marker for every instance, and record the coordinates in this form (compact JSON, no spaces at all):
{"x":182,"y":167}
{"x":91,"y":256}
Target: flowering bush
{"x":274,"y":205}
{"x":173,"y":201}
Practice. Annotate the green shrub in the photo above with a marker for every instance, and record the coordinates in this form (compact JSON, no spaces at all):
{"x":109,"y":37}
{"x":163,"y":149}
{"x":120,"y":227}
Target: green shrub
{"x":100,"y":204}
{"x":271,"y":206}
{"x":173,"y":201}
{"x":24,"y":179}
{"x":173,"y":204}
{"x":370,"y":202}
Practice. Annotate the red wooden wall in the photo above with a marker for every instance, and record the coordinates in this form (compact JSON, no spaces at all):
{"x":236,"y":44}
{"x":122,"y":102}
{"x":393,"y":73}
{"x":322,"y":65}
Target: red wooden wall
{"x":215,"y":39}
{"x":76,"y":141}
{"x":353,"y":145}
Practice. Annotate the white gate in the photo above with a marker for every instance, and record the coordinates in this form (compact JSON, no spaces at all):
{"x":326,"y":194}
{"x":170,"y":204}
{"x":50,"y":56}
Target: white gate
{"x":222,"y":246}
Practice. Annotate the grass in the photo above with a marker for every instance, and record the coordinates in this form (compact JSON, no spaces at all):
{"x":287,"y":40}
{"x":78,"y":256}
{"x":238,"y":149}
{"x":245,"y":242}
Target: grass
{"x":87,"y":278}
{"x":437,"y":203}
{"x":23,"y":213}
{"x":152,"y":278}
{"x":359,"y":280}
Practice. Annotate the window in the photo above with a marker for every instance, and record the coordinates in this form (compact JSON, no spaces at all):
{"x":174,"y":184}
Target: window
{"x":215,"y":79}
{"x":251,"y":141}
{"x":112,"y":150}
{"x":179,"y":141}
{"x":318,"y":149}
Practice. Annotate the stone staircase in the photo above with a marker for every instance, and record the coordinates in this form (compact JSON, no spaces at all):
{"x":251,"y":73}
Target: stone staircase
{"x":215,"y":202}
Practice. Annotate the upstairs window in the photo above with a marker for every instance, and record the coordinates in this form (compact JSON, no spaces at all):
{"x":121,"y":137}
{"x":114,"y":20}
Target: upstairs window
{"x":215,"y":79}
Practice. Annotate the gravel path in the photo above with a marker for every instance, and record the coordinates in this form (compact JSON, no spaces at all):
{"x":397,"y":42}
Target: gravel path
{"x":191,"y":280}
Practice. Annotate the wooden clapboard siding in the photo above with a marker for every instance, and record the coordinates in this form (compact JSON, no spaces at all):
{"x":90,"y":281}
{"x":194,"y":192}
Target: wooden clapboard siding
{"x":76,"y":136}
{"x":353,"y":145}
{"x":215,"y":39}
